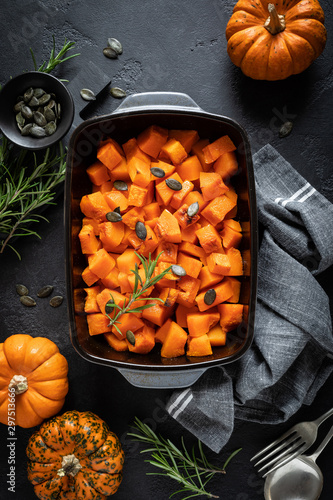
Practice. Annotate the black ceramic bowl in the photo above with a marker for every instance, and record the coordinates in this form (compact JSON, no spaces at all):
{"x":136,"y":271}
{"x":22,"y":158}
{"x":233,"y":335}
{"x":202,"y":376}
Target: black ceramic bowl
{"x":138,"y":111}
{"x":16,"y":87}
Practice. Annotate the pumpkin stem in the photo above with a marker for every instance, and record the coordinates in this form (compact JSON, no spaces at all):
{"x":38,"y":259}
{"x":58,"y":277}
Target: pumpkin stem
{"x":275,"y":23}
{"x":20,"y":384}
{"x":70,"y":466}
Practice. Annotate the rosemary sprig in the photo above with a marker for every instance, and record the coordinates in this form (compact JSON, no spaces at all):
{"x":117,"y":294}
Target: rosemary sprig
{"x":54,"y":60}
{"x":140,"y":287}
{"x":26,"y":184}
{"x":191,"y":472}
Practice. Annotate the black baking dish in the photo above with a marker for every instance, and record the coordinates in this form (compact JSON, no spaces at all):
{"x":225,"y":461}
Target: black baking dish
{"x":138,"y":111}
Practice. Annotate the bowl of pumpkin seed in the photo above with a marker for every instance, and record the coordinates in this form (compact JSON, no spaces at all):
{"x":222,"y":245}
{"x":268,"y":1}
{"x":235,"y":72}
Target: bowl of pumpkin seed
{"x":37,"y":110}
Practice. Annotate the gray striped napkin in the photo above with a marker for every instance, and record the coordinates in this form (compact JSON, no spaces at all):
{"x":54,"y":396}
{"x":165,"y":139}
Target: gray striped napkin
{"x":293,"y":328}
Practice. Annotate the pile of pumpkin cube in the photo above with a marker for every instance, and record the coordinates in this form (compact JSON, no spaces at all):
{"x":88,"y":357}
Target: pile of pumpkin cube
{"x":204,"y":245}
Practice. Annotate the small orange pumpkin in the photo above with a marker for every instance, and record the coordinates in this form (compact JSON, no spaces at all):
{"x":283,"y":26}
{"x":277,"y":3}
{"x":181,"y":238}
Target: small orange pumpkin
{"x":271,"y":41}
{"x":33,"y":380}
{"x":75,"y":456}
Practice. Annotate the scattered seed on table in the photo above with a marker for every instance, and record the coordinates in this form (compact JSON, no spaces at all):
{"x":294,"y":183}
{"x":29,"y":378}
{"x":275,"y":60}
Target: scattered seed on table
{"x":56,"y":301}
{"x":110,"y":53}
{"x":117,"y":92}
{"x":87,"y":95}
{"x":27,"y":301}
{"x":114,"y":44}
{"x":286,"y":129}
{"x":45,"y":291}
{"x":22,"y":290}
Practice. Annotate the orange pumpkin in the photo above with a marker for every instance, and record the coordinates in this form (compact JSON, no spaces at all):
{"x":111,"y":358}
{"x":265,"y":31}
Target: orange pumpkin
{"x":33,"y":380}
{"x":75,"y":456}
{"x":271,"y":41}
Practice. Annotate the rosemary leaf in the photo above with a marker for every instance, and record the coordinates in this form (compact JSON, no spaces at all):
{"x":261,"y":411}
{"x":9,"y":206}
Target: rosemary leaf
{"x":191,"y":472}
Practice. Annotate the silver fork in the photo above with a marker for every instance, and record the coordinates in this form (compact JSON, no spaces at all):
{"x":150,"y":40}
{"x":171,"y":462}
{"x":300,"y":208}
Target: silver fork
{"x":291,"y":444}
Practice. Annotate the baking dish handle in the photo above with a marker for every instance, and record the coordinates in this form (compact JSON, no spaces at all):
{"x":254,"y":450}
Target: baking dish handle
{"x":160,"y":380}
{"x":158,"y":100}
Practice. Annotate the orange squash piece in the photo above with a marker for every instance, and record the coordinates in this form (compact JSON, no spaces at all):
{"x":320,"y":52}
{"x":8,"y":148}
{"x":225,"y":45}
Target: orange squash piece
{"x":137,"y":195}
{"x":152,"y":211}
{"x":174,"y":150}
{"x":223,"y":293}
{"x":133,"y":215}
{"x":217,"y":209}
{"x":190,"y":169}
{"x":169,"y":296}
{"x":174,"y":342}
{"x":109,"y":154}
{"x":152,"y":139}
{"x":208,"y":279}
{"x":144,"y":340}
{"x":168,"y":251}
{"x":217,"y":336}
{"x":116,"y":199}
{"x":124,"y":284}
{"x":111,"y":235}
{"x":127,"y":260}
{"x":101,"y":263}
{"x":200,"y":323}
{"x":236,"y":262}
{"x":230,"y":238}
{"x":191,"y":265}
{"x":183,"y":218}
{"x":131,"y":150}
{"x":179,"y":196}
{"x":199,"y":346}
{"x":182,"y":312}
{"x":217,"y":148}
{"x":111,"y":280}
{"x":209,"y":239}
{"x":120,"y":172}
{"x":188,"y":288}
{"x":115,"y":343}
{"x":89,"y":242}
{"x":187,"y":138}
{"x":98,"y":173}
{"x":98,"y":323}
{"x":166,"y":167}
{"x":90,"y":302}
{"x":166,"y":193}
{"x":139,"y":171}
{"x":94,"y":206}
{"x":212,"y":185}
{"x":108,"y":294}
{"x":194,"y":250}
{"x":189,"y":233}
{"x":236,"y":288}
{"x":226,"y":165}
{"x":91,"y":222}
{"x":167,"y":228}
{"x":231,"y":316}
{"x":127,"y":321}
{"x":89,"y":277}
{"x":219,"y":263}
{"x":158,"y":313}
{"x":194,"y":196}
{"x":162,"y":331}
{"x":197,"y":150}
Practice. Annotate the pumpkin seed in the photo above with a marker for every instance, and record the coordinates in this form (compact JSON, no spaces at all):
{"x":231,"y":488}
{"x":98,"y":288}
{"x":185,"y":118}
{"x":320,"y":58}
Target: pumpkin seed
{"x":40,"y":119}
{"x":49,"y":114}
{"x":18,"y":106}
{"x":117,"y":92}
{"x":193,"y":209}
{"x":26,"y":112}
{"x":130,"y":337}
{"x":173,"y":184}
{"x":56,"y":301}
{"x":114,"y":217}
{"x":120,"y":185}
{"x":22,"y":290}
{"x":37,"y":131}
{"x":38,"y":92}
{"x":157,"y":172}
{"x":26,"y":129}
{"x":44,"y":99}
{"x":178,"y":270}
{"x":45,"y":291}
{"x":117,"y":210}
{"x":109,"y":306}
{"x":140,"y":230}
{"x":58,"y":110}
{"x":110,"y":53}
{"x":87,"y":95}
{"x":34,"y":102}
{"x":50,"y":128}
{"x":20,"y":120}
{"x":28,"y":94}
{"x":27,"y":301}
{"x":286,"y":129}
{"x":210,"y":296}
{"x":114,"y":44}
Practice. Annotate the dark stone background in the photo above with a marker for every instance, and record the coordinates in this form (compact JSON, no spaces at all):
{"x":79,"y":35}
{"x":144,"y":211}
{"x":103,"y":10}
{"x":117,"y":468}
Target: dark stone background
{"x":171,"y":46}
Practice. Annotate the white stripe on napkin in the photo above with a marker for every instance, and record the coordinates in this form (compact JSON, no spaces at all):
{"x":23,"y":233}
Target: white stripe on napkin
{"x":296,"y":195}
{"x":177,"y":400}
{"x":183,"y":406}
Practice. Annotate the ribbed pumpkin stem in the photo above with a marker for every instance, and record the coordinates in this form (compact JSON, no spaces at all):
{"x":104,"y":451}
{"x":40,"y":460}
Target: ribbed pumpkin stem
{"x":20,"y":384}
{"x":275,"y":23}
{"x":70,"y":466}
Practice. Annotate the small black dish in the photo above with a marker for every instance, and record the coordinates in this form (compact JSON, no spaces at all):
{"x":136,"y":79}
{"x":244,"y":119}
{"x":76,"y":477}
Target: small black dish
{"x":17,"y":86}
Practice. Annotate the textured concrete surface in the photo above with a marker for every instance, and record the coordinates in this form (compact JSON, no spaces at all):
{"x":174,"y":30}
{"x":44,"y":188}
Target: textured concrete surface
{"x":172,"y":46}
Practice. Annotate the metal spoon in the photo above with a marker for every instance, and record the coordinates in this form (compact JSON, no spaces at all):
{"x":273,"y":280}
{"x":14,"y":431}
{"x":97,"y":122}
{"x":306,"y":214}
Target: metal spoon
{"x":299,"y":479}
